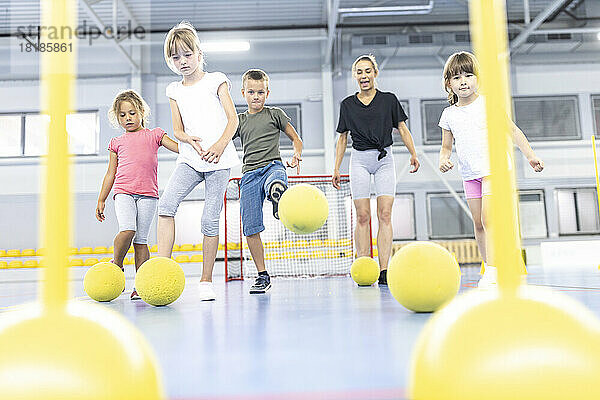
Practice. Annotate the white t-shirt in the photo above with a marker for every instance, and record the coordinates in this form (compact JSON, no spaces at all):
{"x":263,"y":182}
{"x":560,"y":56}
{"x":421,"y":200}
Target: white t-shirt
{"x":203,"y":116}
{"x":469,"y":129}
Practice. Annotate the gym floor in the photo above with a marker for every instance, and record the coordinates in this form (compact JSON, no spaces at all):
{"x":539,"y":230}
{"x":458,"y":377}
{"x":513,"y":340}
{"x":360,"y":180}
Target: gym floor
{"x":322,"y":338}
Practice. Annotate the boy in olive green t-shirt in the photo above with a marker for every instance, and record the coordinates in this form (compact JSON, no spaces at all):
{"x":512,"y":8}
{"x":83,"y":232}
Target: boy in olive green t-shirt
{"x":264,"y":174}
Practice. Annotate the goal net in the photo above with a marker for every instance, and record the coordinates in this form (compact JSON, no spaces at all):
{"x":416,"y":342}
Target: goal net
{"x":327,"y":251}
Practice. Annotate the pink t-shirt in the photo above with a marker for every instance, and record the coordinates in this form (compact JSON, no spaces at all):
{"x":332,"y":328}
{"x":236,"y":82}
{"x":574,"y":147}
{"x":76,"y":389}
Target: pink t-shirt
{"x":137,"y":161}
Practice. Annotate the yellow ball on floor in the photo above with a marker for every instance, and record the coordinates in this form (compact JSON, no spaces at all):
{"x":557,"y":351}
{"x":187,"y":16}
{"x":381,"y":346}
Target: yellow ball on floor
{"x":104,"y":281}
{"x":80,"y":351}
{"x":537,"y":345}
{"x":423,"y":276}
{"x":303,"y":208}
{"x":364,"y":271}
{"x":159,"y":281}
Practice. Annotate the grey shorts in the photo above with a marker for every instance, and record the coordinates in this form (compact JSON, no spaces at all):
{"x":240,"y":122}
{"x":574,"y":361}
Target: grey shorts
{"x":363,"y":164}
{"x":183,"y":180}
{"x":135,"y":213}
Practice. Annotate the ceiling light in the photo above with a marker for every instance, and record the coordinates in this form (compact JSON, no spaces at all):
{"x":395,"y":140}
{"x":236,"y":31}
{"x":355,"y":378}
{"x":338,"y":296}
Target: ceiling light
{"x":225,"y":46}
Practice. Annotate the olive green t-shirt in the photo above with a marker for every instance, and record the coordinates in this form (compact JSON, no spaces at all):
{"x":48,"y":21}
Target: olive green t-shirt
{"x":259,"y":134}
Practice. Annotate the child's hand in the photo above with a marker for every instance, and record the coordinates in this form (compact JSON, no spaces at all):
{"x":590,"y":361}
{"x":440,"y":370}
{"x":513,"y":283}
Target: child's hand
{"x":536,"y":164}
{"x":194,"y":141}
{"x":213,"y":154}
{"x":100,"y":211}
{"x":414,"y":161}
{"x":335,"y":179}
{"x":295,"y":162}
{"x":446,"y":165}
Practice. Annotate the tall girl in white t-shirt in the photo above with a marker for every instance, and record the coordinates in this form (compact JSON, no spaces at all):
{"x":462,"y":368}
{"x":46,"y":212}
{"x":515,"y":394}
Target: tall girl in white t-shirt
{"x":464,"y":121}
{"x":204,"y":121}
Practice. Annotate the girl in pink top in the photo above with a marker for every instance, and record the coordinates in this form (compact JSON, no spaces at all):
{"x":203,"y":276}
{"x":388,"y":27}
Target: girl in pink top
{"x":132,"y":173}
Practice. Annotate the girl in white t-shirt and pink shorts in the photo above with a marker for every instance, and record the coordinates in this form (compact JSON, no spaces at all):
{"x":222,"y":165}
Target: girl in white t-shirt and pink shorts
{"x":132,"y":174}
{"x":204,"y":121}
{"x":464,"y":122}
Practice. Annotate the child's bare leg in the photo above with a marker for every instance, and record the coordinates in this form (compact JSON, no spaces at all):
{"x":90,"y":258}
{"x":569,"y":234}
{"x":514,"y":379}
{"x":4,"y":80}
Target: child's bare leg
{"x":122,"y":243}
{"x":165,"y":235}
{"x":475,"y":205}
{"x":210,"y":246}
{"x":142,"y":254}
{"x":257,"y":251}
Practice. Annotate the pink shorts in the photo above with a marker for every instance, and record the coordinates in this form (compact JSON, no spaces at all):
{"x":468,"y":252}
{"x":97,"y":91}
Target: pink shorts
{"x":476,"y":188}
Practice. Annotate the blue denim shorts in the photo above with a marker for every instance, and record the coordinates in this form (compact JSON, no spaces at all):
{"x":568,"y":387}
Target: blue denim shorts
{"x":254,"y":188}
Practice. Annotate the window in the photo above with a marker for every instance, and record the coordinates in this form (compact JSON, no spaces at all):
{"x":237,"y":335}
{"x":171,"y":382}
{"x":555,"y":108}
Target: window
{"x":36,"y":131}
{"x":548,"y":118}
{"x":292,"y":110}
{"x":83,"y":128}
{"x":25,"y":134}
{"x":403,"y":217}
{"x":396,"y":138}
{"x":431,"y":111}
{"x":577,"y":211}
{"x":532,"y":214}
{"x":447,"y":220}
{"x":540,"y":118}
{"x":10,"y":135}
{"x":596,"y":108}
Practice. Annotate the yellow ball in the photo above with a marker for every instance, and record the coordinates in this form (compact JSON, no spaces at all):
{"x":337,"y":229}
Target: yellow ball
{"x":81,"y":351}
{"x":104,"y":281}
{"x":364,"y":271}
{"x":423,"y":276}
{"x":303,"y":209}
{"x":159,"y":281}
{"x":538,"y":345}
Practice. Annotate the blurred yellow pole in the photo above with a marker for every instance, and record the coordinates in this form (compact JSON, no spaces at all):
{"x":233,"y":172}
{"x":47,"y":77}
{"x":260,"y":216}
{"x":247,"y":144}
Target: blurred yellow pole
{"x":488,"y":24}
{"x":596,"y":168}
{"x":57,"y":73}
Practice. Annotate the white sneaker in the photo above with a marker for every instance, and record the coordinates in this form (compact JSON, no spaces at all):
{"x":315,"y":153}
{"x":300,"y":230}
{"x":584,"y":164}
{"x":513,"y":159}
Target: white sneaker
{"x":489,"y":279}
{"x":206,"y":291}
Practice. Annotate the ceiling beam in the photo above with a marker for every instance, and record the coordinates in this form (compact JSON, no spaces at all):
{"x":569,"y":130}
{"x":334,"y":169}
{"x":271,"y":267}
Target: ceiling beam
{"x":90,"y":11}
{"x":127,"y":12}
{"x":331,"y":27}
{"x":537,"y":21}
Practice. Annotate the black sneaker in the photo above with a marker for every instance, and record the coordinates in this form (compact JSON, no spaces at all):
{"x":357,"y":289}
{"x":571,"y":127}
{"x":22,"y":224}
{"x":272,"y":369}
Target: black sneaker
{"x":383,"y":277}
{"x":275,"y":192}
{"x":261,"y":284}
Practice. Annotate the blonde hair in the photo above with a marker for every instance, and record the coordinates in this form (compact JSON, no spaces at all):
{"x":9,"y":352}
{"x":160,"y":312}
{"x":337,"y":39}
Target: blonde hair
{"x":457,"y":63}
{"x":366,"y":57}
{"x":136,"y":101}
{"x":181,"y":36}
{"x":256,"y":75}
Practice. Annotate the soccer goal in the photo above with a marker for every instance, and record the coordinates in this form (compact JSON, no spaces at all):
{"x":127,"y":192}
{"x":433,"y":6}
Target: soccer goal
{"x":325,"y":252}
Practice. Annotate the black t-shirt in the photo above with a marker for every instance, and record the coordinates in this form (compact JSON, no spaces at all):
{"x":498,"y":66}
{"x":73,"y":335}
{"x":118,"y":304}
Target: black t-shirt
{"x":371,"y":125}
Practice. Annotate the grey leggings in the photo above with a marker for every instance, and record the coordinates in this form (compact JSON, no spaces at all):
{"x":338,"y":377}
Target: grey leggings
{"x":135,"y":213}
{"x":363,"y":164}
{"x":183,"y":180}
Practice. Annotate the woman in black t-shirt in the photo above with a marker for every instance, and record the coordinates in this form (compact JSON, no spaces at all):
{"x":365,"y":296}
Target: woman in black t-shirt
{"x":370,"y":116}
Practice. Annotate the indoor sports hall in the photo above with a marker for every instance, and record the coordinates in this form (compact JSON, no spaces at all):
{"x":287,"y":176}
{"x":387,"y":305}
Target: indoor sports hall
{"x":425,"y":225}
